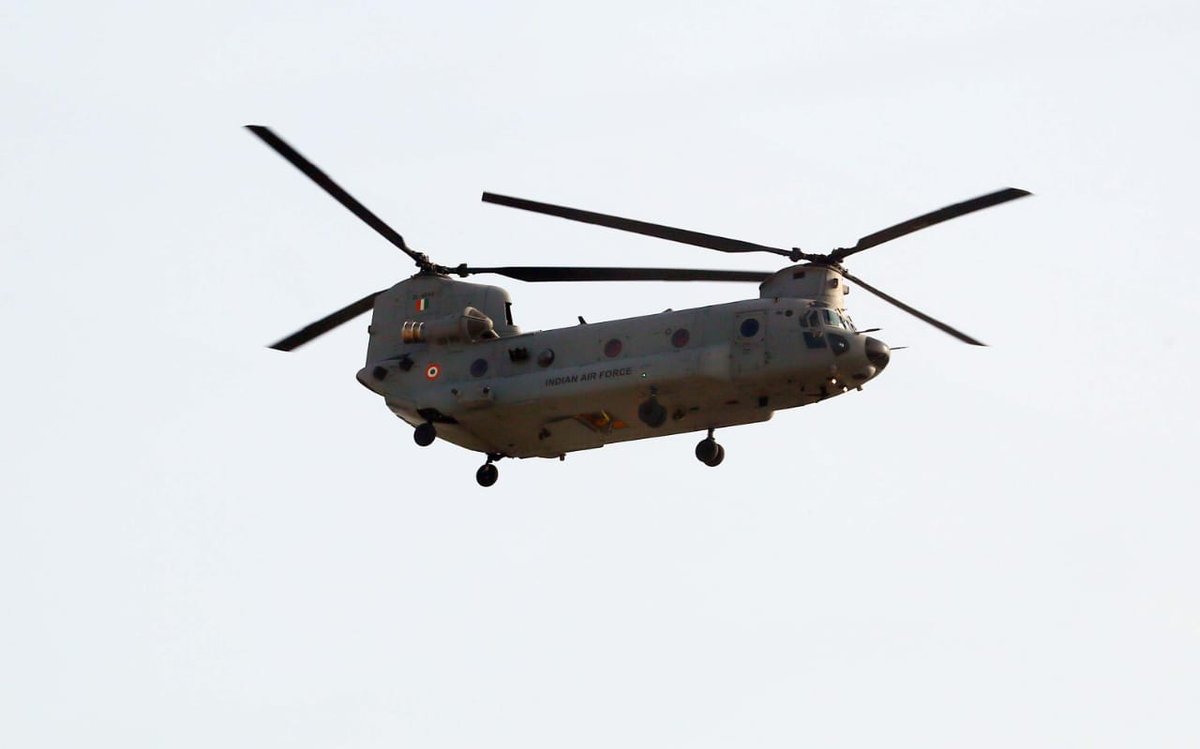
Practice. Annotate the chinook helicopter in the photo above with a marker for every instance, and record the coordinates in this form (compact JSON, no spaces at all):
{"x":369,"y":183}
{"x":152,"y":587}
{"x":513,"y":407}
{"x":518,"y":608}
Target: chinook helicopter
{"x":447,"y":359}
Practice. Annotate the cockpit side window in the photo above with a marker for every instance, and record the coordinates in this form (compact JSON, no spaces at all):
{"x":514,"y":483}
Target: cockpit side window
{"x":832,"y":319}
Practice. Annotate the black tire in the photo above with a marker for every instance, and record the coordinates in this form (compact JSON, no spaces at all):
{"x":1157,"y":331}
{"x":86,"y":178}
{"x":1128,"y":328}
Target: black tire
{"x":716,"y":460}
{"x":707,"y":450}
{"x":425,"y":434}
{"x":487,"y":474}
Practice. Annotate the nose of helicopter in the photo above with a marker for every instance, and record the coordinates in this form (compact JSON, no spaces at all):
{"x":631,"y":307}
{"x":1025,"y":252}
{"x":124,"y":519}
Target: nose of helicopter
{"x":877,"y":353}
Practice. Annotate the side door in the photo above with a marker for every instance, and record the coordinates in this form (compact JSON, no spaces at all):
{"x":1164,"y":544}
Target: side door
{"x":748,"y":348}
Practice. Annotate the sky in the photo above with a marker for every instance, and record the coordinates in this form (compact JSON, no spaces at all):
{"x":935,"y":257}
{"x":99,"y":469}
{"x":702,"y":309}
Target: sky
{"x":207,"y":543}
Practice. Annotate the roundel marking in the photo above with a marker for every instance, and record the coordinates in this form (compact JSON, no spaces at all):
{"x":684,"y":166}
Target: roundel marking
{"x":432,"y":372}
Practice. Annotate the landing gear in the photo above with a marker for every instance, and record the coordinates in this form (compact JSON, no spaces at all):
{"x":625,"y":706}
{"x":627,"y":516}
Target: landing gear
{"x":425,"y":434}
{"x":709,"y":452}
{"x":488,"y":473}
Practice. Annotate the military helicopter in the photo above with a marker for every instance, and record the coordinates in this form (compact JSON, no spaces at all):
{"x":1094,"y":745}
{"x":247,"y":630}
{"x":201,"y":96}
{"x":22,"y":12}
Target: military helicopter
{"x":447,"y":359}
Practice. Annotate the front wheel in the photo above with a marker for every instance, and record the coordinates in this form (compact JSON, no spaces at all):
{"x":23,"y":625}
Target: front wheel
{"x":707,"y":450}
{"x":716,"y":460}
{"x":425,"y":434}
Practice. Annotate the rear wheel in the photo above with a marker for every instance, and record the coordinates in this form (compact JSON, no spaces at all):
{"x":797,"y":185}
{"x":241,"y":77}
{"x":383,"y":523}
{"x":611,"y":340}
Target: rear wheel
{"x":487,"y":474}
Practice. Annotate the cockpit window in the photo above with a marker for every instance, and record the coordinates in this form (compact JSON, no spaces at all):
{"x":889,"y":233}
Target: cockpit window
{"x":825,"y":317}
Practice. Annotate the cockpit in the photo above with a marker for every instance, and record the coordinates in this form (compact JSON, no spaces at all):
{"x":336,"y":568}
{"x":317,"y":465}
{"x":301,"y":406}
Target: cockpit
{"x":826,"y":318}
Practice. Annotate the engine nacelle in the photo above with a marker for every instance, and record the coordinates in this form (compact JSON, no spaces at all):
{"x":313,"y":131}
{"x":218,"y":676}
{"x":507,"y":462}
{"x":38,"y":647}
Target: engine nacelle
{"x":471,"y":325}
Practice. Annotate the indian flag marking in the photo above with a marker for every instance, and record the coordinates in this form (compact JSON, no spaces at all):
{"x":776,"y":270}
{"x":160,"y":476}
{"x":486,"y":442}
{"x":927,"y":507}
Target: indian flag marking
{"x":422,"y":303}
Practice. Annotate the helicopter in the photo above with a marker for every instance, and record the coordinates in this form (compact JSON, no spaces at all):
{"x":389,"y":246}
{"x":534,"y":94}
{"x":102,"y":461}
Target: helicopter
{"x":446,"y":357}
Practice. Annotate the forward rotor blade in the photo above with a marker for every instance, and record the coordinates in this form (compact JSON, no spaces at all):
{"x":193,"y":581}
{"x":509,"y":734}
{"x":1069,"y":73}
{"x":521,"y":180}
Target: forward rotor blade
{"x":710,"y":241}
{"x":538,"y":273}
{"x":328,"y":185}
{"x":915,"y":312}
{"x":929,"y":219}
{"x":326,"y":324}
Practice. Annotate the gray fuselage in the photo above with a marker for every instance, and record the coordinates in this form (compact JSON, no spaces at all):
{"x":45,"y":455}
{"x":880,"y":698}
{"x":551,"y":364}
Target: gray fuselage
{"x":551,"y":392}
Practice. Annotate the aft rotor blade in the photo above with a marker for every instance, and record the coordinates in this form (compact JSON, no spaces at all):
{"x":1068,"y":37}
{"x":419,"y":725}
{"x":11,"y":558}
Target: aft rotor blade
{"x":929,"y":219}
{"x":335,"y":190}
{"x":326,"y":324}
{"x":710,"y":241}
{"x":539,"y":273}
{"x":915,"y":312}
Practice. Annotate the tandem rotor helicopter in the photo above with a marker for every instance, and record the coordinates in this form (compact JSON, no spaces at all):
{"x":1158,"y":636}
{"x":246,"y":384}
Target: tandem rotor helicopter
{"x":447,"y":359}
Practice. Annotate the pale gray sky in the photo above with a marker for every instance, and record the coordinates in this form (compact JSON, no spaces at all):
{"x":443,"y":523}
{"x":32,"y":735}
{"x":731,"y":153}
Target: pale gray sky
{"x":205,"y":543}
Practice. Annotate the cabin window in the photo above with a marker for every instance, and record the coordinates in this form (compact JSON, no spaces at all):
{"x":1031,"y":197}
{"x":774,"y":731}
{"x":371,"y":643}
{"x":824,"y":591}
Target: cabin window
{"x":612,"y":348}
{"x":749,"y":327}
{"x":546,"y":358}
{"x":680,"y":338}
{"x":479,"y":367}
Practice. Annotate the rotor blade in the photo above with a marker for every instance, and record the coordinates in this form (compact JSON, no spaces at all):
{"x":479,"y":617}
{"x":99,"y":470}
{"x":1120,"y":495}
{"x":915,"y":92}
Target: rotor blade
{"x":929,"y":219}
{"x":698,"y":239}
{"x":326,"y":324}
{"x":328,"y":185}
{"x":915,"y":312}
{"x":539,"y":273}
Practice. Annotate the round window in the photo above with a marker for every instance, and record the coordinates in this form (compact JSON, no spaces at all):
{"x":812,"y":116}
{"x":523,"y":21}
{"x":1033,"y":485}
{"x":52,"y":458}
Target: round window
{"x":546,"y":358}
{"x":479,"y":367}
{"x":749,"y":327}
{"x":681,"y":338}
{"x":612,"y":348}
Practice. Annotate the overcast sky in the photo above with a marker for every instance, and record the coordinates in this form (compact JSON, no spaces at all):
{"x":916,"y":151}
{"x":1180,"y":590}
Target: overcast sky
{"x":206,"y":543}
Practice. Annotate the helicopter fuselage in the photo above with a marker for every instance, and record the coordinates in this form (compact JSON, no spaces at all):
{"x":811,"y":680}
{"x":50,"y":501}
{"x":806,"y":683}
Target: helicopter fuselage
{"x":496,"y":390}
